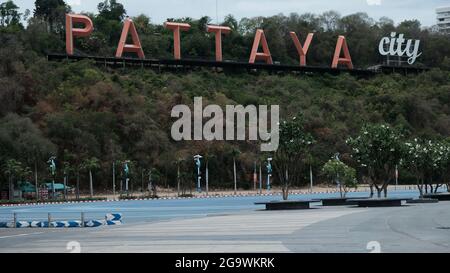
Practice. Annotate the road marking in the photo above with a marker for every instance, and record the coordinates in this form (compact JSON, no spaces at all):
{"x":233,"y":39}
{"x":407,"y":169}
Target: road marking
{"x":20,"y":235}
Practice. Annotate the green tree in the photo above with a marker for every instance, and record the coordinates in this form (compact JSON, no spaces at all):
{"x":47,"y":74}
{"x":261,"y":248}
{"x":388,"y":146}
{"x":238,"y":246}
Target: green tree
{"x":292,"y":150}
{"x":341,"y":174}
{"x":14,"y":170}
{"x":90,"y":165}
{"x":9,"y":14}
{"x":111,"y":10}
{"x":108,"y":22}
{"x":417,"y":159}
{"x":440,"y":162}
{"x":378,"y":148}
{"x":20,"y":138}
{"x":51,"y":11}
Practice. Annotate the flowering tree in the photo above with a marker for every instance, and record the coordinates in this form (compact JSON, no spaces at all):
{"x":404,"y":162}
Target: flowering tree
{"x":378,"y":148}
{"x":427,"y":160}
{"x":341,"y":174}
{"x":441,"y":163}
{"x":418,"y":160}
{"x":292,"y":150}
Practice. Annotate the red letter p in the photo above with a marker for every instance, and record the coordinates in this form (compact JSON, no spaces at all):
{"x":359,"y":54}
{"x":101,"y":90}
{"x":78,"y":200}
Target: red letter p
{"x":72,"y":32}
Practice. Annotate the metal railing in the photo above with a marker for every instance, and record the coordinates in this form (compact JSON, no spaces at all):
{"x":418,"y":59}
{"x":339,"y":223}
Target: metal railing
{"x":12,"y":218}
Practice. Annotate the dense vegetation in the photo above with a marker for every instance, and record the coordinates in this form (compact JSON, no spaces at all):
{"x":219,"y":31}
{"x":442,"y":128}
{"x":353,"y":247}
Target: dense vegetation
{"x":80,"y":112}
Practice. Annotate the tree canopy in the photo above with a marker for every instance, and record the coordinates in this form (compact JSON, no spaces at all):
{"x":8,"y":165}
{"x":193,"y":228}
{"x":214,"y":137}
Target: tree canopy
{"x":88,"y":111}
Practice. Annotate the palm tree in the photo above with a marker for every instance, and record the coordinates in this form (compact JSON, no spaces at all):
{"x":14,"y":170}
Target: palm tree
{"x":91,"y":164}
{"x":13,"y":169}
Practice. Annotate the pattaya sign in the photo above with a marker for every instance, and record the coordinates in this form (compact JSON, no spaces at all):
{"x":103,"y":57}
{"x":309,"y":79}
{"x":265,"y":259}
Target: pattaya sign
{"x":255,"y":55}
{"x":395,"y":46}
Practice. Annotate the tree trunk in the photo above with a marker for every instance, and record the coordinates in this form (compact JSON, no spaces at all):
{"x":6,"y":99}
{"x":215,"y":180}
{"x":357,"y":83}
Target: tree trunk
{"x":207,"y":178}
{"x":234,"y":175}
{"x":285,"y":192}
{"x":11,"y":189}
{"x":286,"y":186}
{"x":178,"y":180}
{"x":36,"y":183}
{"x":65,"y":187}
{"x":114,"y":180}
{"x":142,"y":180}
{"x":371,"y":190}
{"x":420,"y":187}
{"x":340,"y":190}
{"x":78,"y":185}
{"x":91,"y":185}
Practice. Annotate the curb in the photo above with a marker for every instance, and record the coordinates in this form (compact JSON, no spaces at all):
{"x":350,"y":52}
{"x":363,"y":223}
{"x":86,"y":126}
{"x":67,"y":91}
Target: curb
{"x":172,"y":198}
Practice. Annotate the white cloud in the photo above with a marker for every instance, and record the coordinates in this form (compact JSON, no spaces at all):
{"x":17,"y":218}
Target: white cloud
{"x":74,"y":2}
{"x":373,"y":2}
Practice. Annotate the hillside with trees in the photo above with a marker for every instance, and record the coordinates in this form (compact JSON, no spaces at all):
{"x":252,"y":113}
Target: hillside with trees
{"x":84,"y":114}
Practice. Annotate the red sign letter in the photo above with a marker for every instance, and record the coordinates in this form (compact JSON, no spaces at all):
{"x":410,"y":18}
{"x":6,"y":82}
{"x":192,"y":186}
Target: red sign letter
{"x":176,"y":27}
{"x":218,"y":30}
{"x":265,"y":55}
{"x":346,"y":60}
{"x":72,"y":32}
{"x":302,"y":50}
{"x":135,"y":46}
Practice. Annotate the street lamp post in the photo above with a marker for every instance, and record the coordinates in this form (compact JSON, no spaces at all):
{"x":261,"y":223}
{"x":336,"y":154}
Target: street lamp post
{"x":198,"y":164}
{"x":126,"y":171}
{"x":396,"y":177}
{"x":338,"y":182}
{"x":269,"y":172}
{"x":52,"y":167}
{"x":260,"y":179}
{"x":114,"y":179}
{"x":65,"y":185}
{"x":255,"y":176}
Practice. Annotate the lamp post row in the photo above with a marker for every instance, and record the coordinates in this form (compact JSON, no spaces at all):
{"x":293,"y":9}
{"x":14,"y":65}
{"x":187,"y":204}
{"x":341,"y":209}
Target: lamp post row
{"x":197,"y":160}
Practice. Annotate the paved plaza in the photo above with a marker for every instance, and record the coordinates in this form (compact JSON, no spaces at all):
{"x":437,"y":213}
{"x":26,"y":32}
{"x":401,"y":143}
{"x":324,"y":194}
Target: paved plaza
{"x":412,"y":228}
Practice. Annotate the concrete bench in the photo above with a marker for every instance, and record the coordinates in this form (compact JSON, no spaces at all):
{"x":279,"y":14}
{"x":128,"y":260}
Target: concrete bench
{"x":287,"y":205}
{"x":422,"y":201}
{"x":380,"y":202}
{"x":438,"y":196}
{"x":346,"y":201}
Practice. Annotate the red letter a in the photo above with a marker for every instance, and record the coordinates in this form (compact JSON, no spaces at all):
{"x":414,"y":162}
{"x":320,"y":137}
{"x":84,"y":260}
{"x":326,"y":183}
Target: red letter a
{"x":265,"y":55}
{"x":346,"y":60}
{"x":135,"y":47}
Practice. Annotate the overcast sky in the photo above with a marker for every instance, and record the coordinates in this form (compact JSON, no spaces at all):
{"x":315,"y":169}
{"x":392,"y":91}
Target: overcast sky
{"x":160,"y":10}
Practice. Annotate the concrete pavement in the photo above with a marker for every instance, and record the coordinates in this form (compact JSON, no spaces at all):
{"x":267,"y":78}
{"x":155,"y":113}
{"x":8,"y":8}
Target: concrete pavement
{"x":415,"y":228}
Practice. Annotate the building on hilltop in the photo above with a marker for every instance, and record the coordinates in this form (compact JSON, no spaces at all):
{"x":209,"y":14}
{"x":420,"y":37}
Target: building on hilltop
{"x":443,"y":19}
